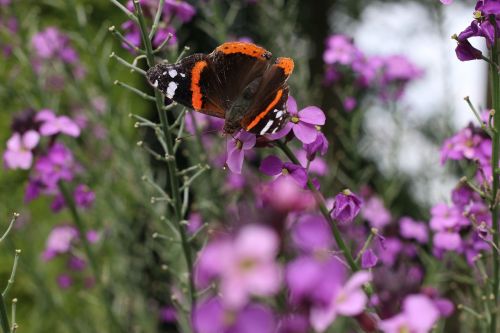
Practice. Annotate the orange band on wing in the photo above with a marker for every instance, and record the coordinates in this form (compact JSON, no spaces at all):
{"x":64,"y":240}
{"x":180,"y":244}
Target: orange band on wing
{"x":196,"y":98}
{"x":245,"y":48}
{"x":285,"y":63}
{"x":266,"y":111}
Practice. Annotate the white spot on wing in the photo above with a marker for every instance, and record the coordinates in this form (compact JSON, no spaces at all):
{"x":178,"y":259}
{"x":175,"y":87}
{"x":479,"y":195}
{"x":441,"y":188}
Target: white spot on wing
{"x":155,"y":84}
{"x":275,"y":130}
{"x":164,"y":73}
{"x":268,"y":126}
{"x":172,"y":73}
{"x":172,"y":86}
{"x":183,"y":75}
{"x":279,"y":113}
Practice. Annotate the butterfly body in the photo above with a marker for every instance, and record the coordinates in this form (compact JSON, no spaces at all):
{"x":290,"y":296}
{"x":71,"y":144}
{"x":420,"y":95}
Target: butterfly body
{"x":237,"y":82}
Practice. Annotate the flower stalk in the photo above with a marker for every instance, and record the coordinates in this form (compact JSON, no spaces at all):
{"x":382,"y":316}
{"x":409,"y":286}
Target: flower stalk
{"x":324,"y":211}
{"x":170,"y":155}
{"x":495,"y":95}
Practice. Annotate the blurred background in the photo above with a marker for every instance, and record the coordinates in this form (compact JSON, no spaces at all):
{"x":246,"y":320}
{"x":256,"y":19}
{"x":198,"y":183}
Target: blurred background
{"x":381,"y":141}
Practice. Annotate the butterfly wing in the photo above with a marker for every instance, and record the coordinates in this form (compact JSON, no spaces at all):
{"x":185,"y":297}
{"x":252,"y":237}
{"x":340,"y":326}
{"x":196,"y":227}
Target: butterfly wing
{"x":184,"y":82}
{"x":268,"y":113}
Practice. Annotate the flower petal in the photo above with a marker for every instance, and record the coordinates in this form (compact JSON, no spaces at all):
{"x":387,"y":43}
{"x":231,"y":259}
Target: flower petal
{"x":312,"y":115}
{"x":291,"y":106}
{"x":235,"y":160}
{"x":31,"y":139}
{"x":305,"y":132}
{"x":271,"y":166}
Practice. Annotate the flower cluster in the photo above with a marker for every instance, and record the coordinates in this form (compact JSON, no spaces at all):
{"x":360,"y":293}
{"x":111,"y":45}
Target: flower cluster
{"x":174,"y":13}
{"x":347,"y":65}
{"x":485,"y":25}
{"x":63,"y":242}
{"x":49,"y":163}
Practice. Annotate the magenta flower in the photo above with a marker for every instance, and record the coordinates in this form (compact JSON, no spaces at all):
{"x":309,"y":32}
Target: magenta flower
{"x":19,"y":150}
{"x":375,"y":212}
{"x":64,"y":281}
{"x":236,"y":150}
{"x":210,"y":316}
{"x":181,"y":9}
{"x":340,"y":49}
{"x":52,"y":44}
{"x":59,"y":241}
{"x":84,"y":196}
{"x":52,"y":125}
{"x":368,"y":259}
{"x":57,"y":164}
{"x":346,"y":207}
{"x":411,"y":229}
{"x":285,"y":195}
{"x":418,"y":316}
{"x":245,"y":265}
{"x":317,"y":165}
{"x":311,"y":233}
{"x":349,"y":300}
{"x":273,"y":166}
{"x":320,"y":145}
{"x":304,"y":123}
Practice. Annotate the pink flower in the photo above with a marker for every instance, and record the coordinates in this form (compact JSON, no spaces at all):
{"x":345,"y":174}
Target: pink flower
{"x":350,"y":300}
{"x":446,"y":2}
{"x":418,"y":316}
{"x":52,"y":125}
{"x":60,"y":240}
{"x":18,"y":154}
{"x":375,"y":212}
{"x":236,"y":150}
{"x":303,"y":123}
{"x":245,"y":265}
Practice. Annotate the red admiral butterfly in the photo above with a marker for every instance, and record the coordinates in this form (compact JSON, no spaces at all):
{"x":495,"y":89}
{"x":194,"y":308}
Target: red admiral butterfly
{"x":236,"y":82}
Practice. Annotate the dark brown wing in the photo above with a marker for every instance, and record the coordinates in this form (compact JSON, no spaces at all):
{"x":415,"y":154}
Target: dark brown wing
{"x":232,"y":67}
{"x":268,"y":113}
{"x":183,"y":82}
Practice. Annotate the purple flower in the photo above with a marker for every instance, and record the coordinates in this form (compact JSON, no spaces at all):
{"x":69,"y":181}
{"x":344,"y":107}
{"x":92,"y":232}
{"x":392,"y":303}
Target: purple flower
{"x":52,"y":125}
{"x":368,"y":259}
{"x":59,"y":241}
{"x":317,"y":165}
{"x":52,"y":44}
{"x":285,"y":195}
{"x":168,"y":314}
{"x":19,"y":150}
{"x":320,"y":145}
{"x":419,"y":315}
{"x":446,"y":2}
{"x":304,"y":123}
{"x":76,"y":263}
{"x":210,"y":316}
{"x":64,"y":281}
{"x":411,"y":229}
{"x":346,"y":207}
{"x":340,"y":49}
{"x":183,"y":10}
{"x":246,"y":265}
{"x":349,"y":300}
{"x":273,"y":166}
{"x":57,"y":164}
{"x":375,"y":212}
{"x":236,"y":150}
{"x":311,"y":233}
{"x":84,"y":197}
{"x":350,"y":103}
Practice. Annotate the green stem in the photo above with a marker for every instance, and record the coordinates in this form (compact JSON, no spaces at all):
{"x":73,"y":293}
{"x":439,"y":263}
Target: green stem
{"x":324,"y":211}
{"x":4,"y":320}
{"x":495,"y":94}
{"x":171,"y":162}
{"x":68,"y":199}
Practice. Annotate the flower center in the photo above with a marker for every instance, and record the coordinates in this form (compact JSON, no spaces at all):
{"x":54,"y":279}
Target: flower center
{"x":477,"y":14}
{"x":247,"y":264}
{"x":229,"y":318}
{"x":285,"y":171}
{"x":239,"y":144}
{"x":403,"y":329}
{"x":295,"y":120}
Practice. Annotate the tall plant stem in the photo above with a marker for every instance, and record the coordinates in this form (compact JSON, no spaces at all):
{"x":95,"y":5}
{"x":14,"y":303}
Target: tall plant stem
{"x":90,"y":256}
{"x":4,"y":320}
{"x":495,"y":96}
{"x":170,"y":157}
{"x":324,"y":211}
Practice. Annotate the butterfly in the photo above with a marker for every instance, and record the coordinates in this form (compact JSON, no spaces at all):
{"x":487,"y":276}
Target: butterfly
{"x":237,"y":82}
